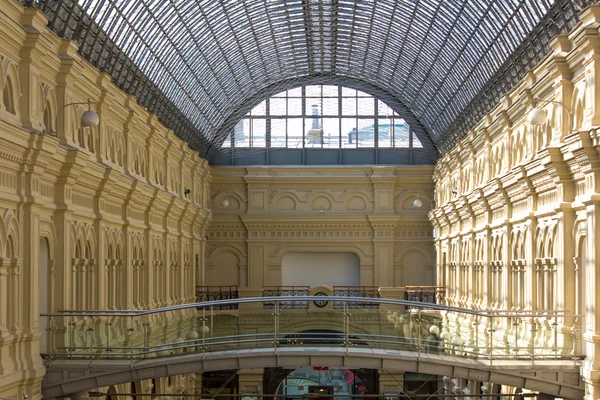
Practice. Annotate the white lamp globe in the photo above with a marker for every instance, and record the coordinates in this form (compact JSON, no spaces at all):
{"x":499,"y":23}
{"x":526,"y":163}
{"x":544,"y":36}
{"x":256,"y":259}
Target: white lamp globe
{"x":162,"y":351}
{"x":418,"y":203}
{"x":445,"y":335}
{"x":224,"y":203}
{"x":193,"y":335}
{"x":457,"y":341}
{"x":89,"y":119}
{"x":434,"y":330}
{"x":204,"y":329}
{"x":537,"y":117}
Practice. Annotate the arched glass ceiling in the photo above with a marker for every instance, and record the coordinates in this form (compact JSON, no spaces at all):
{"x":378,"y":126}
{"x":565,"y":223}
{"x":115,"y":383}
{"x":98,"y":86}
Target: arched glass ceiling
{"x":209,"y":57}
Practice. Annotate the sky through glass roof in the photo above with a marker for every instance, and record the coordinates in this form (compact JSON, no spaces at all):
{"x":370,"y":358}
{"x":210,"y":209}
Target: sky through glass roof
{"x":215,"y":60}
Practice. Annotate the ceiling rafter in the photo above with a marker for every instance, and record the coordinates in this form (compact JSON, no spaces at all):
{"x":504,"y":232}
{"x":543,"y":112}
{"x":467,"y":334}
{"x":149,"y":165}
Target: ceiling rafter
{"x":196,"y":64}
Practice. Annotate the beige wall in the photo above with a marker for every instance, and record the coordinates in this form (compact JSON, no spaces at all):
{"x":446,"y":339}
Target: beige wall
{"x":89,"y":218}
{"x":274,"y":211}
{"x":517,"y":217}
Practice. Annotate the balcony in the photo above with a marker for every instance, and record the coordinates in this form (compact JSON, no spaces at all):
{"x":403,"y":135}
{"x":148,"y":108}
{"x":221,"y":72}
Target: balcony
{"x":215,"y":293}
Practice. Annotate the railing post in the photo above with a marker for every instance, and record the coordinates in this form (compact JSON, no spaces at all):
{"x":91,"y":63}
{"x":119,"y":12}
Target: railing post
{"x":71,"y":334}
{"x":203,"y":332}
{"x":275,"y":326}
{"x":476,"y":348}
{"x":346,"y":326}
{"x":130,"y":331}
{"x":88,"y":341}
{"x":532,"y":346}
{"x":491,"y":342}
{"x":146,"y":338}
{"x":419,"y":334}
{"x":52,"y":340}
{"x":555,"y":347}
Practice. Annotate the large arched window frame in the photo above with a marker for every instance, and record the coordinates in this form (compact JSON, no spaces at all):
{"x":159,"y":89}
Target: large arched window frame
{"x":322,"y":116}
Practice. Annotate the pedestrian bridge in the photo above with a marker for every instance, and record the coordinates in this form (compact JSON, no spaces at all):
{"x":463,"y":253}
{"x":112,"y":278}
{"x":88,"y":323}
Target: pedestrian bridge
{"x":88,"y":350}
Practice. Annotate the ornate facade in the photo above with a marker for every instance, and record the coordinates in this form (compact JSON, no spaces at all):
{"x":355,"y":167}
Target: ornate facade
{"x":368,"y":211}
{"x":111,"y":217}
{"x":517,"y":213}
{"x":127,"y":216}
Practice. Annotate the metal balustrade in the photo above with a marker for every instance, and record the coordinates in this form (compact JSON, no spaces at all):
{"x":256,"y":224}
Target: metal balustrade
{"x":426,"y":294}
{"x":211,"y":293}
{"x":356,"y":291}
{"x":252,"y":323}
{"x":276,"y":291}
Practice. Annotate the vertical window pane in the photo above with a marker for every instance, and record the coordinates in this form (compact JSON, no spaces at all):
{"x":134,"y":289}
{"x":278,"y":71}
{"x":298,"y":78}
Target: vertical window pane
{"x":401,"y":132}
{"x":366,"y":132}
{"x":348,"y":132}
{"x":383,"y":110}
{"x":295,"y":127}
{"x":313,"y":106}
{"x":384,"y":137}
{"x":294,"y":106}
{"x":346,"y":92}
{"x":313,"y":91}
{"x":366,"y":106}
{"x":297,"y":92}
{"x":330,"y":91}
{"x":330,"y":106}
{"x":277,"y":107}
{"x":331,"y":132}
{"x":416,"y":141}
{"x":259,"y":133}
{"x":241,"y":133}
{"x":260,"y":109}
{"x":349,"y":106}
{"x":278,"y":131}
{"x":314,"y":132}
{"x":227,"y":142}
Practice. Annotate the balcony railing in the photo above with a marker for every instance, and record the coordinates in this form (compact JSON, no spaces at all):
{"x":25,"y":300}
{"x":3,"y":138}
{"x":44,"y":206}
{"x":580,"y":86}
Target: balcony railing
{"x":204,"y":328}
{"x":213,"y":293}
{"x":370,"y":292}
{"x":277,"y":291}
{"x":426,"y":294}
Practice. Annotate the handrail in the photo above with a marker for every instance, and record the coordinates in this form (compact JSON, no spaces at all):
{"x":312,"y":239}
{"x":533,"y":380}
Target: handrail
{"x":271,"y":299}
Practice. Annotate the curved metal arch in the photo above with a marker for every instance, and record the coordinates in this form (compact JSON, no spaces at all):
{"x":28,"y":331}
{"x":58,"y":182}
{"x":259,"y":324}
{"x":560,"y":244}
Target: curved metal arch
{"x":191,"y":62}
{"x":219,"y":136}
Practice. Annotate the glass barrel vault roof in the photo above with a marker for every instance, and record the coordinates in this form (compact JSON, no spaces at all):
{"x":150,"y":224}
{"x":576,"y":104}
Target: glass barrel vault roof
{"x":201,"y":65}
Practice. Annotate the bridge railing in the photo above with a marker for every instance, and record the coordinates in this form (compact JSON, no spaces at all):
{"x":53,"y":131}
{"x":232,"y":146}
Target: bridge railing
{"x":206,"y":327}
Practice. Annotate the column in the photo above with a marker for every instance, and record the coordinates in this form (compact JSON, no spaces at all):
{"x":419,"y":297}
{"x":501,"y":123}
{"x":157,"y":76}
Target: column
{"x":250,"y":381}
{"x":391,"y":383}
{"x":383,"y":249}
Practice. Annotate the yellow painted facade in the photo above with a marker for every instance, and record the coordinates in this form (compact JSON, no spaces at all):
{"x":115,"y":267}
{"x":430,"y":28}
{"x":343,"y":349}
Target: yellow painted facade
{"x":517,"y":216}
{"x":274,"y":211}
{"x":89,"y":218}
{"x":102,"y":219}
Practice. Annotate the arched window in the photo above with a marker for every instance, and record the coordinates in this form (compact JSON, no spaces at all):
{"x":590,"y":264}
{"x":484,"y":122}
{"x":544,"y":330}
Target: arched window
{"x":48,"y":118}
{"x":7,"y":96}
{"x":322,"y":116}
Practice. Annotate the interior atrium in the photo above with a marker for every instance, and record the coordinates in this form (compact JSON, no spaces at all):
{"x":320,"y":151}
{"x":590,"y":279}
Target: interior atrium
{"x":299,"y":199}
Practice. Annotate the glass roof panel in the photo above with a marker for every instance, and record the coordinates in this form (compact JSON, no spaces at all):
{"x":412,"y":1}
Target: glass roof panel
{"x":213,"y":59}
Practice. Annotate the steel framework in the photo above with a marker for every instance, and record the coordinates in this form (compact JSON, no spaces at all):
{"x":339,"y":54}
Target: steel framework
{"x":200,"y":65}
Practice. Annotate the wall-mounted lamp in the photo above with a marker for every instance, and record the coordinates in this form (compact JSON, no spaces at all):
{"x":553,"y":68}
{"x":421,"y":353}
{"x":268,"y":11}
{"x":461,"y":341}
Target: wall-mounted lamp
{"x":89,"y":119}
{"x":538,"y":117}
{"x":454,"y":192}
{"x":186,"y":192}
{"x":224,"y":203}
{"x":418,"y":203}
